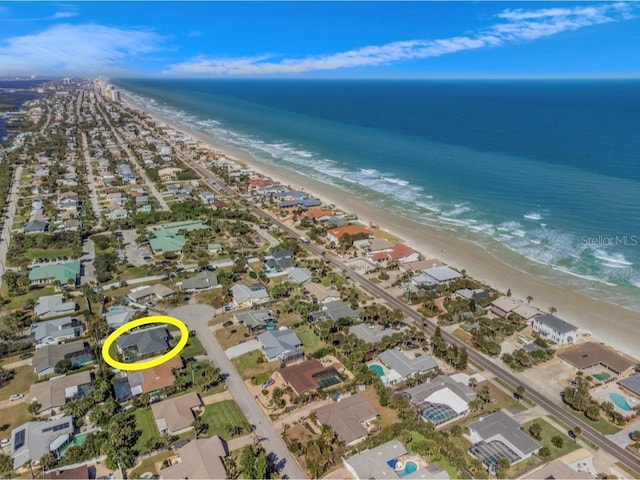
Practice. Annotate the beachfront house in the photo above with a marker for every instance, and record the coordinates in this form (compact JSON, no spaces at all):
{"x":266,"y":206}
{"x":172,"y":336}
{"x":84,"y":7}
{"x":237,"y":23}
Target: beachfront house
{"x":555,"y":329}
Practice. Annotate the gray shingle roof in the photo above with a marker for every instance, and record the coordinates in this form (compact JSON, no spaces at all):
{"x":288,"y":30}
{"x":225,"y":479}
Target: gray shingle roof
{"x":32,"y":440}
{"x":47,"y":356}
{"x":338,"y":309}
{"x":146,"y":341}
{"x":368,"y":333}
{"x":254,"y":318}
{"x":299,"y":275}
{"x":442,"y":274}
{"x":59,"y":328}
{"x":555,"y":323}
{"x":405,"y":366}
{"x":372,"y":463}
{"x":501,"y":425}
{"x":276,"y":342}
{"x":420,"y":393}
{"x":201,"y":281}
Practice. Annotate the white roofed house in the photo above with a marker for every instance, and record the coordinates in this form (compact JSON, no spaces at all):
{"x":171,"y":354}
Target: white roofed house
{"x":55,"y":331}
{"x":402,"y":367}
{"x":32,"y":440}
{"x":247,"y":296}
{"x":281,"y":345}
{"x":555,"y":329}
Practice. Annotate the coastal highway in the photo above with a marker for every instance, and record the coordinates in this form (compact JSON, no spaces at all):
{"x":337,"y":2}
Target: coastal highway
{"x":553,"y":406}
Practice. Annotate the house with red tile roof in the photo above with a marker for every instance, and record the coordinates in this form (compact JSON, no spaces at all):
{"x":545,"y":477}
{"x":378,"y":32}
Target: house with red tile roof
{"x":335,"y":234}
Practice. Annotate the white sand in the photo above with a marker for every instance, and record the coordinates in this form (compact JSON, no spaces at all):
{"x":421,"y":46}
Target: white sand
{"x":612,"y":324}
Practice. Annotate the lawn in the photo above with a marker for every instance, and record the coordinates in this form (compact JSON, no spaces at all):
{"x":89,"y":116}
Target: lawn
{"x":332,"y":279}
{"x":248,"y":366}
{"x":548,"y":432}
{"x":147,"y":426}
{"x":193,"y":348}
{"x":19,"y":301}
{"x":149,"y":465}
{"x":13,"y":417}
{"x":232,"y":335}
{"x":310,"y":341}
{"x":221,"y":416}
{"x":462,"y":335}
{"x":48,"y":253}
{"x":601,"y":424}
{"x":500,"y":399}
{"x":21,"y":383}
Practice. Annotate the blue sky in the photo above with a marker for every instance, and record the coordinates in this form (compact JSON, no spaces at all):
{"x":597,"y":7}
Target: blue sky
{"x":321,"y":39}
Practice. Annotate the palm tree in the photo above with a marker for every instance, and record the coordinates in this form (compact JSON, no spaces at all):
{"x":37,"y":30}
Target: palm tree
{"x":520,"y":390}
{"x":529,"y":299}
{"x":552,"y":310}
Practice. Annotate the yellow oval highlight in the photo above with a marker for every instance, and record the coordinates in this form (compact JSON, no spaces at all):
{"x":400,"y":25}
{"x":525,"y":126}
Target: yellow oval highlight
{"x":154,"y":362}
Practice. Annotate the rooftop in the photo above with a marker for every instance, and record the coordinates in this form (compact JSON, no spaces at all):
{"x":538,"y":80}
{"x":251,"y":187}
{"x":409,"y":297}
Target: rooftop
{"x":346,"y":417}
{"x":276,"y":342}
{"x":55,"y":392}
{"x":499,"y":426}
{"x":61,"y":272}
{"x":176,"y":413}
{"x":555,"y":323}
{"x":199,"y":459}
{"x":405,"y":366}
{"x":32,"y":440}
{"x":144,"y":342}
{"x":370,"y":333}
{"x":442,"y":274}
{"x":589,"y":354}
{"x":632,"y":383}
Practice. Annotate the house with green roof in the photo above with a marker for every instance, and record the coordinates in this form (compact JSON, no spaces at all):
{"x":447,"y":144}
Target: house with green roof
{"x":58,"y":272}
{"x":167,"y":238}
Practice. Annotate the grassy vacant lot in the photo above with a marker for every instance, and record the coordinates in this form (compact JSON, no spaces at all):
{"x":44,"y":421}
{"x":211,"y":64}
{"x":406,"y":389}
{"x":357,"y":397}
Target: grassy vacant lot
{"x":548,"y":432}
{"x":21,"y":383}
{"x":310,"y":341}
{"x":147,"y":426}
{"x":149,"y":465}
{"x":13,"y":417}
{"x":48,"y":253}
{"x":248,"y":366}
{"x":501,"y":399}
{"x":232,"y":335}
{"x":21,"y":300}
{"x":222,"y":416}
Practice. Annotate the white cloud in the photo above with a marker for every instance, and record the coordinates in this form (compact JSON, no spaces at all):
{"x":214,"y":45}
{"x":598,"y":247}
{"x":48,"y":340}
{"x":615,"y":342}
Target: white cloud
{"x":59,"y":15}
{"x":75,"y":49}
{"x":518,"y":25}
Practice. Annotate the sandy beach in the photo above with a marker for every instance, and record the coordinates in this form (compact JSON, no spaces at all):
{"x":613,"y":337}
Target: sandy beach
{"x":609,"y":323}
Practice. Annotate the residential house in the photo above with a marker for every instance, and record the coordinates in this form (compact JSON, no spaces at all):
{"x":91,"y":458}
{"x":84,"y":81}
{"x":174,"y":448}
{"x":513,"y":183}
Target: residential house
{"x":555,"y":329}
{"x":175,"y":415}
{"x":441,"y":399}
{"x":386,"y":461}
{"x":335,"y":310}
{"x":310,"y":375}
{"x":35,"y":226}
{"x":499,"y":436}
{"x":143,"y":342}
{"x":590,"y":354}
{"x":299,"y":275}
{"x":202,"y":458}
{"x":317,"y":214}
{"x":55,"y":393}
{"x":147,"y":293}
{"x":255,"y":320}
{"x":167,"y":238}
{"x":441,"y":274}
{"x":67,"y":273}
{"x":32,"y":440}
{"x":280,"y":345}
{"x":402,"y":367}
{"x":632,"y":384}
{"x":118,"y":316}
{"x":53,"y":306}
{"x":370,"y":334}
{"x":247,"y":296}
{"x":117,"y":213}
{"x":45,"y":359}
{"x":351,"y":418}
{"x":335,"y":235}
{"x":321,"y":293}
{"x":280,"y":261}
{"x":50,"y":332}
{"x":477,"y":294}
{"x":205,"y":280}
{"x":150,"y":380}
{"x":169,"y":173}
{"x":505,"y":306}
{"x":73,"y":473}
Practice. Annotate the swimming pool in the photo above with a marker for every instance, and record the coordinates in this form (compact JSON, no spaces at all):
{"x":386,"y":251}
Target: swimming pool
{"x":79,"y":440}
{"x":378,"y":369}
{"x":409,"y":468}
{"x":621,"y":402}
{"x":602,"y":376}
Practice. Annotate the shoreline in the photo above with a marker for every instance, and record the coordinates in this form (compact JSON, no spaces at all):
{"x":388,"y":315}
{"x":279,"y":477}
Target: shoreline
{"x":610,"y":323}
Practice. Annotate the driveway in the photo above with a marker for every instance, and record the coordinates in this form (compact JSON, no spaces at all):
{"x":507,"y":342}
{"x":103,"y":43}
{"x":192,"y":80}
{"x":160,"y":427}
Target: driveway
{"x":87,"y":259}
{"x":241,"y":349}
{"x":197,"y":317}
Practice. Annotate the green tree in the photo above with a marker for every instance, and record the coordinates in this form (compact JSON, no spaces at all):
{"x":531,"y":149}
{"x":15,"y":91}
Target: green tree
{"x":63,"y":366}
{"x":34,"y":407}
{"x":535,"y":430}
{"x":557,"y":441}
{"x":520,"y":391}
{"x":6,"y":465}
{"x":48,"y":461}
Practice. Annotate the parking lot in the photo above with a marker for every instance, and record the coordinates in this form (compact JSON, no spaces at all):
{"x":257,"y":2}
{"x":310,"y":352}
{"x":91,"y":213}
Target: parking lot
{"x":135,"y":255}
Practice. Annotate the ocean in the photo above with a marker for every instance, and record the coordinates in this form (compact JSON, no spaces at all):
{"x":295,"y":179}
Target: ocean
{"x":548,"y":169}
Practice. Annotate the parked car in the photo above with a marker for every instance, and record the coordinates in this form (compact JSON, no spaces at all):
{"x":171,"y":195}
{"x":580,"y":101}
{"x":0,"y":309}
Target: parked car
{"x":4,"y":442}
{"x":268,"y":383}
{"x":24,"y":356}
{"x":16,"y":396}
{"x":150,"y":304}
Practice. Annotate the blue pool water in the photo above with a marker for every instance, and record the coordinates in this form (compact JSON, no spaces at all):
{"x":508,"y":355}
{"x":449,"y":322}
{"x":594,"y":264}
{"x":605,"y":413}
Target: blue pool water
{"x":271,"y":271}
{"x":378,"y":369}
{"x":621,"y":402}
{"x":408,"y":469}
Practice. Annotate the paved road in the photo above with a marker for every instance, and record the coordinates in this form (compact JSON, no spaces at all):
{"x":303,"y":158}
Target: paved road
{"x":87,"y":259}
{"x":134,"y":163}
{"x":5,"y":235}
{"x":91,"y":182}
{"x":197,"y":317}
